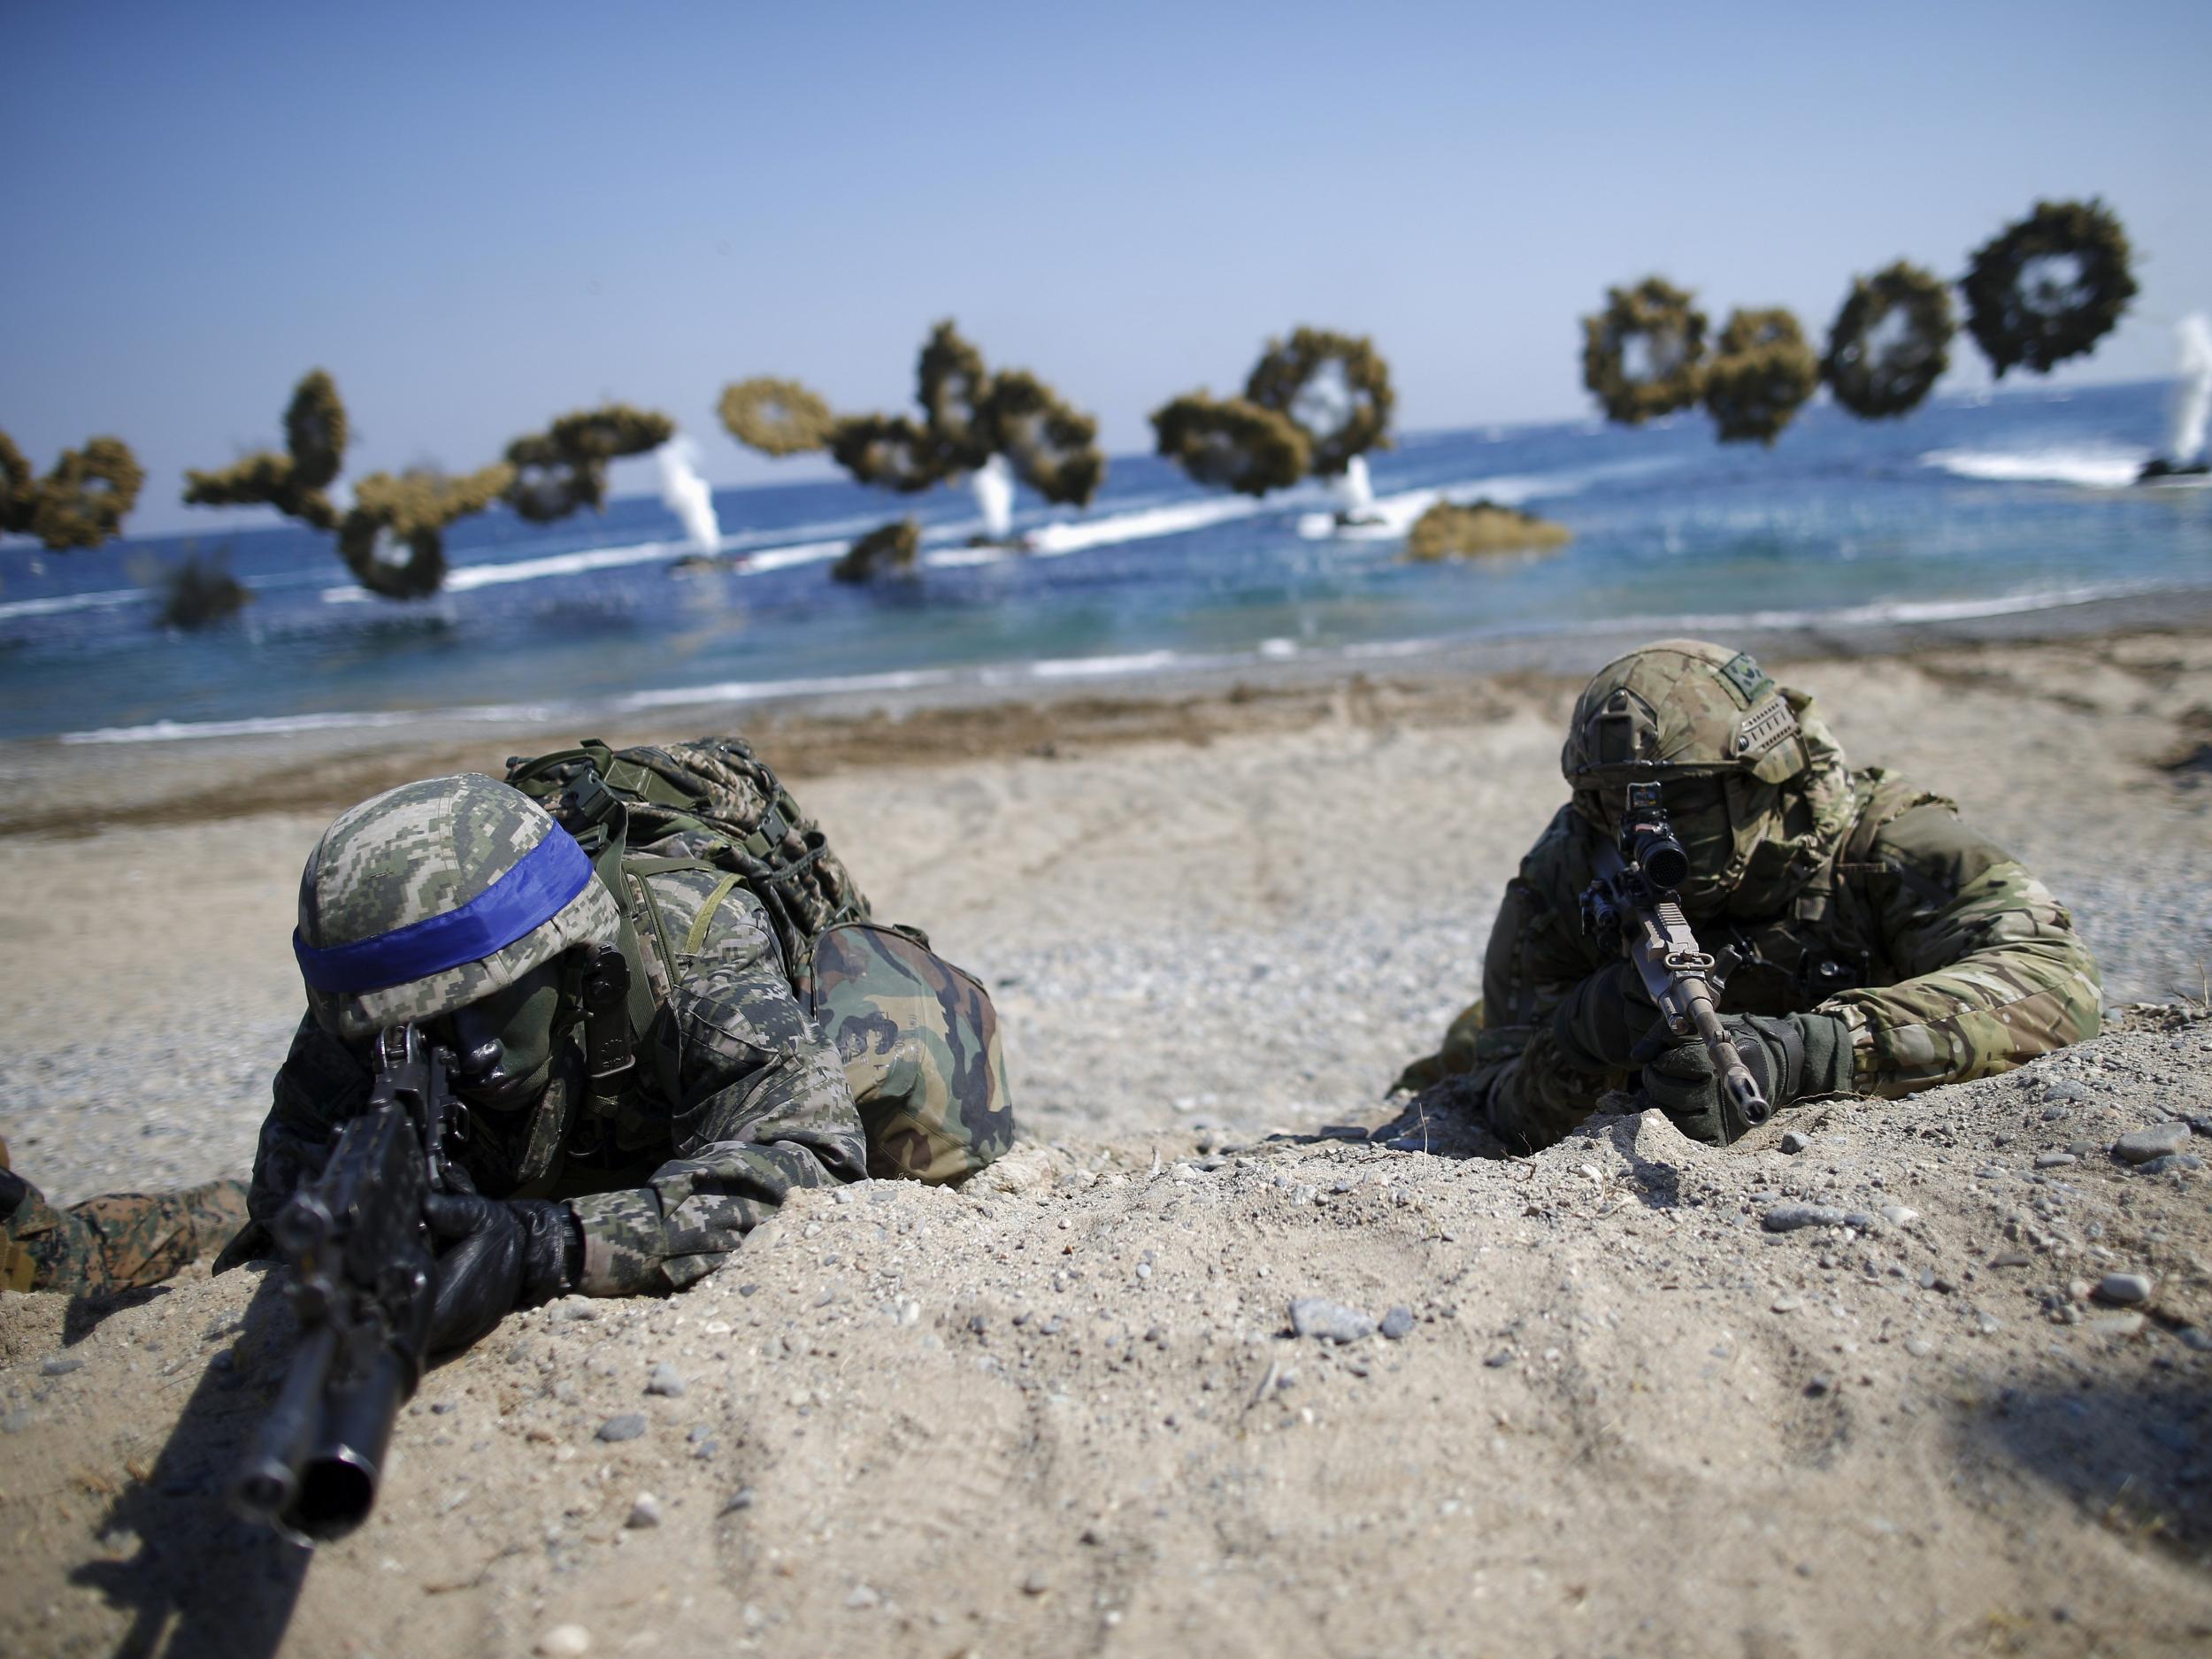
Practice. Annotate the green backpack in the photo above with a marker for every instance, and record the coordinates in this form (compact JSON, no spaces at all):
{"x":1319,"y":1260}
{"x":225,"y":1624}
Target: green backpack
{"x":918,"y":1036}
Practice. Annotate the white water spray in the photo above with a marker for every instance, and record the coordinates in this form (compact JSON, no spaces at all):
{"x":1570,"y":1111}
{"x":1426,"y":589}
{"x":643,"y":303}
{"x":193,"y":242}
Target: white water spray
{"x":2193,"y":394}
{"x":1353,"y":489}
{"x":993,"y":487}
{"x":684,"y":493}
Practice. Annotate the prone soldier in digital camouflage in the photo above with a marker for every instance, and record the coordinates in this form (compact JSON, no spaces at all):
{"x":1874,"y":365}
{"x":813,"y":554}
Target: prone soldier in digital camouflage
{"x":778,"y":1035}
{"x":1867,"y":941}
{"x":762,"y":1052}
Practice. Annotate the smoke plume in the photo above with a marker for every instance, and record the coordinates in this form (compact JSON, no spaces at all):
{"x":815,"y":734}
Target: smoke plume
{"x":2193,"y":394}
{"x":684,"y":493}
{"x":993,"y":487}
{"x":1353,"y":489}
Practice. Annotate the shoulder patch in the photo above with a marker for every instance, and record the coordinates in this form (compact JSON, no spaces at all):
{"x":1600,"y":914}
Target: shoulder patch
{"x":1749,"y":679}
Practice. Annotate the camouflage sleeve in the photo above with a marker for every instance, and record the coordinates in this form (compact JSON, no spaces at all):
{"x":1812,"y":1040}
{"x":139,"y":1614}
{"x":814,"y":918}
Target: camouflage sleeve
{"x":319,"y":1085}
{"x":115,"y":1242}
{"x":1502,"y":1046}
{"x":1991,"y":972}
{"x":765,"y":1108}
{"x":1536,"y":1093}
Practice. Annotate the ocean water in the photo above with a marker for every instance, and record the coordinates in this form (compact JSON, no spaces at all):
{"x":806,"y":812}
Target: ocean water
{"x":1984,"y":506}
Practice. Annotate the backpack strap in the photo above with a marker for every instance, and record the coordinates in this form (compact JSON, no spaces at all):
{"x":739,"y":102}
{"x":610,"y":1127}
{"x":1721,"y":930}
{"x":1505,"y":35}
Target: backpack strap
{"x":697,"y":936}
{"x":637,"y":869}
{"x":640,"y":935}
{"x":646,"y":864}
{"x":1883,"y":798}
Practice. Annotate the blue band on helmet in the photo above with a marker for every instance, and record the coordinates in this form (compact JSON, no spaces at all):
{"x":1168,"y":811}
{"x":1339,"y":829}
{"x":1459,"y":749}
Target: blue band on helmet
{"x":537,"y":888}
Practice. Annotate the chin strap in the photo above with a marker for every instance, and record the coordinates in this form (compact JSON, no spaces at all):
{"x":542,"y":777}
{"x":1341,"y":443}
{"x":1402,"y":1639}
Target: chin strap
{"x":549,"y":1121}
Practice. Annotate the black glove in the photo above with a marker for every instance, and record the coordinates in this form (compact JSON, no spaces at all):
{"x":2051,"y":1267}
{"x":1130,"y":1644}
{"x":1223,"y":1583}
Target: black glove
{"x":1601,"y":1022}
{"x":501,"y":1255}
{"x":1790,"y":1058}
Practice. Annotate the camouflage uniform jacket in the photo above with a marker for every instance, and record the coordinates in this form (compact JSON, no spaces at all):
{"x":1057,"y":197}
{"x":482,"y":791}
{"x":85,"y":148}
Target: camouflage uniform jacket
{"x":1945,"y":957}
{"x":735,"y":1098}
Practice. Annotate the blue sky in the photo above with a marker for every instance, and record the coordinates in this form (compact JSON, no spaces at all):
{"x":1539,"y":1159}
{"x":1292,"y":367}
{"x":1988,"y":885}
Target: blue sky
{"x":478,"y":217}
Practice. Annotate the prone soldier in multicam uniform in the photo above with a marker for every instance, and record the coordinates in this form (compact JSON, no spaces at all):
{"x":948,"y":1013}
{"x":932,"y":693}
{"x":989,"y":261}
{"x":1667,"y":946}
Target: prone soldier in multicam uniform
{"x":1864,"y":938}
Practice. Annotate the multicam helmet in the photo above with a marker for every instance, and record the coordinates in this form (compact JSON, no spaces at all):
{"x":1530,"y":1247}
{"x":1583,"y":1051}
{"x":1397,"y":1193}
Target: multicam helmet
{"x":425,"y":898}
{"x":1681,"y":708}
{"x":1730,"y":747}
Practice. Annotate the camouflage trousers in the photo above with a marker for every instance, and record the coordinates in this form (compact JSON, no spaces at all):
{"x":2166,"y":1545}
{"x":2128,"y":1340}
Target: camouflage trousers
{"x":117,"y":1241}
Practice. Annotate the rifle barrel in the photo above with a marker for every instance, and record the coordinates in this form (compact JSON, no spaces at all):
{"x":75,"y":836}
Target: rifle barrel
{"x":270,"y":1479}
{"x":339,"y":1480}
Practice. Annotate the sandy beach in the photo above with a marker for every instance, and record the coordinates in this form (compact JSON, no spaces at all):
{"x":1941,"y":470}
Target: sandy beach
{"x":1062,"y":1410}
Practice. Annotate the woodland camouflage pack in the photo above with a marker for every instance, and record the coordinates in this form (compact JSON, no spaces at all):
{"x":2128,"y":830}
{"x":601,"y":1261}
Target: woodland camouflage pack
{"x":918,"y":1036}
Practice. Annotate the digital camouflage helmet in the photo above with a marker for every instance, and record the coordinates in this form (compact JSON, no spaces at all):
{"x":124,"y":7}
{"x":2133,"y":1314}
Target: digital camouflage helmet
{"x":433,"y":896}
{"x":1728,"y":745}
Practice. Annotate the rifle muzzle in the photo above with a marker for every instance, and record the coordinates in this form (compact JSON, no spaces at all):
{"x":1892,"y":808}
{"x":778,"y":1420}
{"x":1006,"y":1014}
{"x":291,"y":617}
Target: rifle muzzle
{"x":338,"y":1481}
{"x":1744,"y":1092}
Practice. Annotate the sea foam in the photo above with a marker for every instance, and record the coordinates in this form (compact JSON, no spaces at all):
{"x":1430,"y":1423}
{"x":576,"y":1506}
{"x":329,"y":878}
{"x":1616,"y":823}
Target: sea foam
{"x":71,"y":602}
{"x":281,"y":725}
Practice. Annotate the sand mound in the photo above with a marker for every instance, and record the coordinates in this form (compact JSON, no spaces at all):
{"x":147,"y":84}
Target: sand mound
{"x":1065,"y":1410}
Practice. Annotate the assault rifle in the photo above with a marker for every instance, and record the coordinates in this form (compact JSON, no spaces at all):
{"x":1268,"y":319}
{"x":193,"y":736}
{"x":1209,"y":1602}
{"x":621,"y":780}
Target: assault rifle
{"x":364,"y":1280}
{"x":1632,"y":906}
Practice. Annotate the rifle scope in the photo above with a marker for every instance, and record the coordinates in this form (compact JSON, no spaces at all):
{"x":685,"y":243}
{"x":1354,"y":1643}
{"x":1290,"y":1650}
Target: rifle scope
{"x":1648,"y":841}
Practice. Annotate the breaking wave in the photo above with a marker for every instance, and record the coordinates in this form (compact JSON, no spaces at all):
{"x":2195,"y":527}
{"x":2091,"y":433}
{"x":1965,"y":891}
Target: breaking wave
{"x":71,"y":602}
{"x":754,"y":690}
{"x":278,"y":724}
{"x":1889,"y":612}
{"x":1104,"y":667}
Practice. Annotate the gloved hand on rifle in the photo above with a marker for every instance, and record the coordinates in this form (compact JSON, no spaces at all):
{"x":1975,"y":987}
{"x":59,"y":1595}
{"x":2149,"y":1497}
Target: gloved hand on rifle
{"x":1792,"y":1059}
{"x":498,"y":1255}
{"x":1608,"y":1022}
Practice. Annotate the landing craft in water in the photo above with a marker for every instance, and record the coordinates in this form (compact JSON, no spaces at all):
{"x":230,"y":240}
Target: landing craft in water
{"x":2193,"y":475}
{"x":1012,"y":542}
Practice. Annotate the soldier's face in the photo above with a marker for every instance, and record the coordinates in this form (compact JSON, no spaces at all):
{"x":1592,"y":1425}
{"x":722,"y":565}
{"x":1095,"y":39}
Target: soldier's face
{"x":505,"y":1041}
{"x":1697,"y":810}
